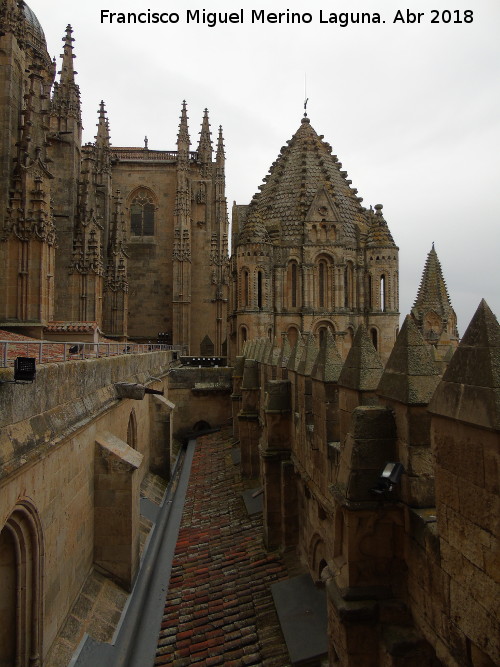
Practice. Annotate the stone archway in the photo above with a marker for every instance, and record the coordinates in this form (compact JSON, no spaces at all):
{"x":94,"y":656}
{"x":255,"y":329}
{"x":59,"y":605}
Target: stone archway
{"x":21,"y":550}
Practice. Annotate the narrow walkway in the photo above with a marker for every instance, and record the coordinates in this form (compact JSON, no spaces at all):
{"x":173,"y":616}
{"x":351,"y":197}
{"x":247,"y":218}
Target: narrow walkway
{"x":219,"y":609}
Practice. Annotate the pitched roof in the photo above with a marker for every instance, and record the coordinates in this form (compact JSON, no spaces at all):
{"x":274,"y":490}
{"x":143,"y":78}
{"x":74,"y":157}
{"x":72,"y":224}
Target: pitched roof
{"x":411,"y":375}
{"x":470,"y":388}
{"x":363,"y":367}
{"x":304,"y":166}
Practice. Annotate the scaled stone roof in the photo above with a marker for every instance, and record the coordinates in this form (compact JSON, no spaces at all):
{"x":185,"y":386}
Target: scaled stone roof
{"x":470,"y":388}
{"x":432,"y":292}
{"x":379,"y":235}
{"x":363,"y":367}
{"x":411,"y":375}
{"x":303,"y":167}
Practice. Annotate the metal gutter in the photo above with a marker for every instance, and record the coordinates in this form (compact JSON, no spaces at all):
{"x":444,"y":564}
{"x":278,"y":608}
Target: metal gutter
{"x":136,"y":638}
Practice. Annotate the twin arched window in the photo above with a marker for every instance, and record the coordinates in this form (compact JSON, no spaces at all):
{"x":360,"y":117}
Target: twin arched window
{"x":142,"y":214}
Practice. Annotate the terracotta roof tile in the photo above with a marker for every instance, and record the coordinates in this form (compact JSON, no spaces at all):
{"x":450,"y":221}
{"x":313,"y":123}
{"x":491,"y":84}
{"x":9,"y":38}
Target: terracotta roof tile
{"x":219,"y":608}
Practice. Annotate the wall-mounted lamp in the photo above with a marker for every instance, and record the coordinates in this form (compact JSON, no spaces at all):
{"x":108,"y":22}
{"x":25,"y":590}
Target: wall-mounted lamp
{"x":390,"y":476}
{"x":24,"y":371}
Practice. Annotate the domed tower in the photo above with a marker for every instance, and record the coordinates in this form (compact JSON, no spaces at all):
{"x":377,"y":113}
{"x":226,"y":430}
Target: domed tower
{"x":317,"y":235}
{"x":27,"y":233}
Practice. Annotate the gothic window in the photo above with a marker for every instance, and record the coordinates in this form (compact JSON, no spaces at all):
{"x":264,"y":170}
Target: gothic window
{"x":374,"y":337}
{"x":142,"y":214}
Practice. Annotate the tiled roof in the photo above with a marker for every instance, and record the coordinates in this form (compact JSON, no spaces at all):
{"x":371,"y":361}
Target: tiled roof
{"x":303,"y":167}
{"x":219,"y":608}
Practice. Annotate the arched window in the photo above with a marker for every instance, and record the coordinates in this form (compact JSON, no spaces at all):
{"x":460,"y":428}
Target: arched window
{"x":293,"y":287}
{"x":259,"y":290}
{"x":321,"y":284}
{"x":142,"y":214}
{"x":322,"y":331}
{"x":323,"y":287}
{"x":348,"y":286}
{"x":246,"y":289}
{"x":374,"y":337}
{"x":383,"y":293}
{"x":293,"y":334}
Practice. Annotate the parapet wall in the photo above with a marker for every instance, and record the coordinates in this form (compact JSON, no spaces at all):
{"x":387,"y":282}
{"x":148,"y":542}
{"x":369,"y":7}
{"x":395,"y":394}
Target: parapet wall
{"x":411,"y":567}
{"x":72,"y":457}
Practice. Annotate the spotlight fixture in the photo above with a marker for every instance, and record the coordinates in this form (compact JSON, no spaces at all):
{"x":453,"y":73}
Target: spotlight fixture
{"x":391,"y":475}
{"x":24,"y":371}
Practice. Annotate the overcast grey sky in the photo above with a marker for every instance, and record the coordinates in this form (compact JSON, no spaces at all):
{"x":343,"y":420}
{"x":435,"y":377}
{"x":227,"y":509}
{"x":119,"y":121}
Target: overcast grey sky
{"x":411,"y":109}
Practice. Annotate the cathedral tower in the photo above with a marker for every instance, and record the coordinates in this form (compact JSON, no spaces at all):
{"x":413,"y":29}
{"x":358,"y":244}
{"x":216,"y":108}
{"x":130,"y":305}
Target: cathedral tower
{"x":309,"y":257}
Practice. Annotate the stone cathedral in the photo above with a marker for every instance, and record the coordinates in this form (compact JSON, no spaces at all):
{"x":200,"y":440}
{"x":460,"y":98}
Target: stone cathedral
{"x":364,"y":456}
{"x":100,"y":240}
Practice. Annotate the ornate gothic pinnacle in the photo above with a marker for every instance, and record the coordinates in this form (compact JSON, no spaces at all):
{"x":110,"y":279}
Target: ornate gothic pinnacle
{"x":220,"y":157}
{"x":102,"y":136}
{"x":183,"y":141}
{"x":205,"y":144}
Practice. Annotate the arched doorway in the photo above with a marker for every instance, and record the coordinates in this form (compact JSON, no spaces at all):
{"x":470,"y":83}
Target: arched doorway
{"x":20,"y":600}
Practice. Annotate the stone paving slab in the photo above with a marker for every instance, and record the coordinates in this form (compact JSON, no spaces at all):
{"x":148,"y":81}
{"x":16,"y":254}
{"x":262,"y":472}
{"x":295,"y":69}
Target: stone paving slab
{"x":219,"y":608}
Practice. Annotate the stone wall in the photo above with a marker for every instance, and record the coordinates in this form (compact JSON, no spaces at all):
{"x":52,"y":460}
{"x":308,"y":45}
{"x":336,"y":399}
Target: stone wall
{"x":72,"y":456}
{"x":411,"y":568}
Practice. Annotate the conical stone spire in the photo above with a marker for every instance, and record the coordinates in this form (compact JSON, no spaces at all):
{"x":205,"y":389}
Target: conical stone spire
{"x":432,"y":310}
{"x":220,"y":156}
{"x":183,"y":140}
{"x":205,"y":143}
{"x":102,"y":136}
{"x":304,"y":166}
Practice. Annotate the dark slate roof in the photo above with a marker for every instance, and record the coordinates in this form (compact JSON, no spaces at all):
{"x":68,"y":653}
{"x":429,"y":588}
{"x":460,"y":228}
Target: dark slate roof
{"x":411,"y":375}
{"x":304,"y":166}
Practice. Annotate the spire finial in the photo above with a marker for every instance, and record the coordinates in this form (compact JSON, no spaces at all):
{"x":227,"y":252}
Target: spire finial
{"x":146,"y":142}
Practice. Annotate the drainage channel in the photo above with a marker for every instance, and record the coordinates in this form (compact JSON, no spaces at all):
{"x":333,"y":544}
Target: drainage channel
{"x":135,"y":640}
